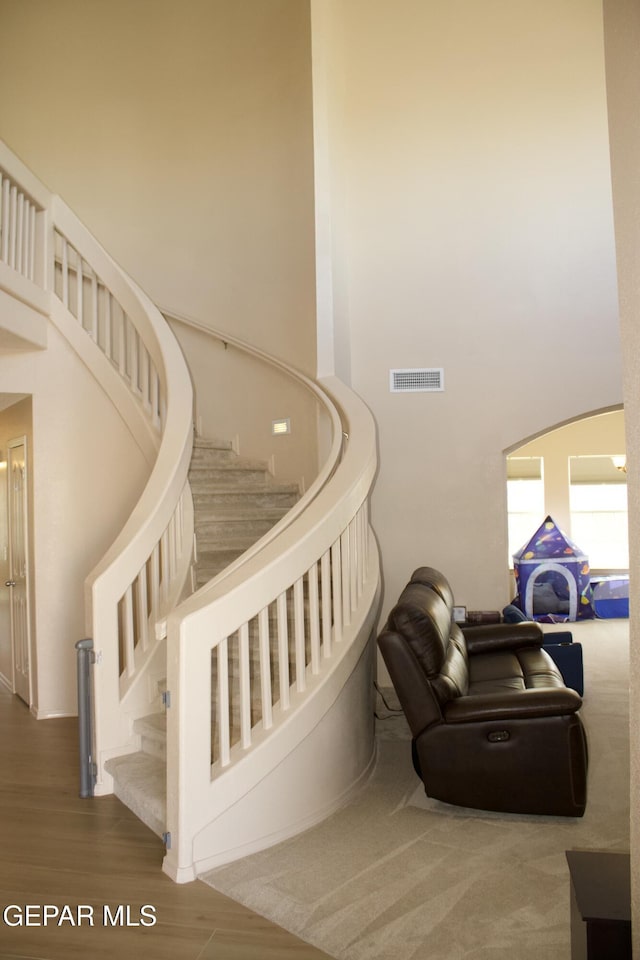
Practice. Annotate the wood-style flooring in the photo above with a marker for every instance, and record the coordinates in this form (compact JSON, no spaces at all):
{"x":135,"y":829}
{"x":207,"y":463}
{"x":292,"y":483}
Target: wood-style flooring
{"x":61,"y":851}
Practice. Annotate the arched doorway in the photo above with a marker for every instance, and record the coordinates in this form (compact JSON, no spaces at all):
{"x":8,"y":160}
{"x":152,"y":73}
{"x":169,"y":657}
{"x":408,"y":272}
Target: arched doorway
{"x":575,"y":473}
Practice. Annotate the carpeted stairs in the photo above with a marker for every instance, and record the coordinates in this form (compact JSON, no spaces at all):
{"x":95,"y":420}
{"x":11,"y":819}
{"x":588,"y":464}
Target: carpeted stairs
{"x":236,"y":501}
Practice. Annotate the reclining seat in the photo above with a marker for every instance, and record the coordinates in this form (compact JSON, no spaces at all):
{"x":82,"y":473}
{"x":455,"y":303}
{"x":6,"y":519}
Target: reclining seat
{"x":493,"y":725}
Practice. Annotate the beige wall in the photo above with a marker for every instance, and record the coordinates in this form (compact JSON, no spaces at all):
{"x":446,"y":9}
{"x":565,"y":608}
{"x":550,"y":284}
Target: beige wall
{"x":81,"y":499}
{"x":181,"y":134}
{"x":237,"y":398}
{"x":622,"y":33}
{"x":473,"y":217}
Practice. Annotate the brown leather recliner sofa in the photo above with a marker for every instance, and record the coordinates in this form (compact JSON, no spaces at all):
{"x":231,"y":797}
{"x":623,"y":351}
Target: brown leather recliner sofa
{"x":494,"y":727}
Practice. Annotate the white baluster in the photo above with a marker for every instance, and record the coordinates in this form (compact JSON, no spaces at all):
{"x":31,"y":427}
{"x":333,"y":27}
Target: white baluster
{"x":245,"y":685}
{"x":353,"y":564}
{"x":346,"y":577}
{"x":314,"y":618}
{"x":108,"y":325}
{"x":155,"y":397}
{"x":26,"y":237}
{"x":130,"y":358}
{"x":299,"y":637}
{"x":336,"y":578}
{"x":134,"y":371}
{"x":170,"y":559}
{"x":283,"y":650}
{"x":144,"y":379}
{"x":165,"y":564}
{"x":32,"y":243}
{"x":4,"y":230}
{"x":154,"y":577}
{"x":64,"y":265}
{"x":142,"y":600}
{"x":80,"y":291}
{"x":122,"y":342}
{"x":224,"y":735}
{"x":13,"y":226}
{"x":179,"y":525}
{"x":265,"y":668}
{"x":364,"y":538}
{"x":19,"y":232}
{"x":128,"y":633}
{"x":93,"y":327}
{"x":325,"y":583}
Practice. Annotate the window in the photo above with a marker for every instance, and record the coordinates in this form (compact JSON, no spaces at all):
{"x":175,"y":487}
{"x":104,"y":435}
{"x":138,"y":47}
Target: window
{"x":598,"y":503}
{"x":525,"y":500}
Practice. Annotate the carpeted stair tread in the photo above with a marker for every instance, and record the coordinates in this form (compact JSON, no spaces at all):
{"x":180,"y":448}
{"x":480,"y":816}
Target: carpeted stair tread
{"x":244,"y":510}
{"x":223,"y":529}
{"x":224,"y":459}
{"x":212,"y":556}
{"x":212,"y":443}
{"x":140,"y":783}
{"x":235,"y":476}
{"x":229,"y":497}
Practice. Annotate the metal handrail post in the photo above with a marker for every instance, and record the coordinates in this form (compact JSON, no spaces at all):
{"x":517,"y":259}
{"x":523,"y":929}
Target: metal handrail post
{"x":85,"y":658}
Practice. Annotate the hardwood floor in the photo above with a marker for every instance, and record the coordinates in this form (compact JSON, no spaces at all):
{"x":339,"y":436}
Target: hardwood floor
{"x":64,"y":852}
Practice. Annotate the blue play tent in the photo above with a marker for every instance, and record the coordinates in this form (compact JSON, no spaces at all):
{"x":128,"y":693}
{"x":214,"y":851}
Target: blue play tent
{"x":552,"y":576}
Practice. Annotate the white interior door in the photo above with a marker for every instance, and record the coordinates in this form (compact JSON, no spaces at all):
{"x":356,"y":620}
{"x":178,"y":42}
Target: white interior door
{"x":18,"y":582}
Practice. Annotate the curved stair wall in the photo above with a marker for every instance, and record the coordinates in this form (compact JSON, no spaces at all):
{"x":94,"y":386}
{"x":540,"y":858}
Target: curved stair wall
{"x":239,"y":393}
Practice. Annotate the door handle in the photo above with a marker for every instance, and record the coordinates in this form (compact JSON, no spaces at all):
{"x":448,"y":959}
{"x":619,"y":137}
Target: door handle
{"x":9,"y":583}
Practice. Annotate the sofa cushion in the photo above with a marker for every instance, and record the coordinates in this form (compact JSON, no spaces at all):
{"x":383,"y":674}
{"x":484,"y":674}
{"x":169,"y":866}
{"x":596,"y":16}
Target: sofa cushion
{"x":495,"y":666}
{"x":539,"y":670}
{"x":527,"y":669}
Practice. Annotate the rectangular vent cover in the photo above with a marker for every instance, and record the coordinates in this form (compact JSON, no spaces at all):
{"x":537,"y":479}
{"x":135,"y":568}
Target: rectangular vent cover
{"x":417,"y":380}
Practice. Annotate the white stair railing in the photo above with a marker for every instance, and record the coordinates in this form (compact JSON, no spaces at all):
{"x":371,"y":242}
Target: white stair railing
{"x":306,"y":598}
{"x":18,"y":228}
{"x":130,"y":350}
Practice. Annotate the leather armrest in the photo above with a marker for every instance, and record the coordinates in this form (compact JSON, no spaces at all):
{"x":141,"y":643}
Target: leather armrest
{"x":492,"y":638}
{"x":513,"y":705}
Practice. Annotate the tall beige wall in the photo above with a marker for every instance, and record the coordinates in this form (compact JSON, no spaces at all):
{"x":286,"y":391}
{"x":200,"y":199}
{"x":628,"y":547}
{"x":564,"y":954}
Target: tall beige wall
{"x":181,"y":134}
{"x":622,"y":32}
{"x":469,"y":173}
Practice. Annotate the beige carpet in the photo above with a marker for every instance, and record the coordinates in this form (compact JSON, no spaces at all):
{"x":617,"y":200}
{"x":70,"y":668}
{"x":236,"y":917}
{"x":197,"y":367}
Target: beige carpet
{"x":396,"y":876}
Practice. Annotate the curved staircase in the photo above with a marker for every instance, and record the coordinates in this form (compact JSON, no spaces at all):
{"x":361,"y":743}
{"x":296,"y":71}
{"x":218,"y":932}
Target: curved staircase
{"x":232,"y":707}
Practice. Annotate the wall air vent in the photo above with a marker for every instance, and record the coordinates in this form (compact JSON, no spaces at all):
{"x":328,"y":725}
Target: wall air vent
{"x":417,"y":380}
